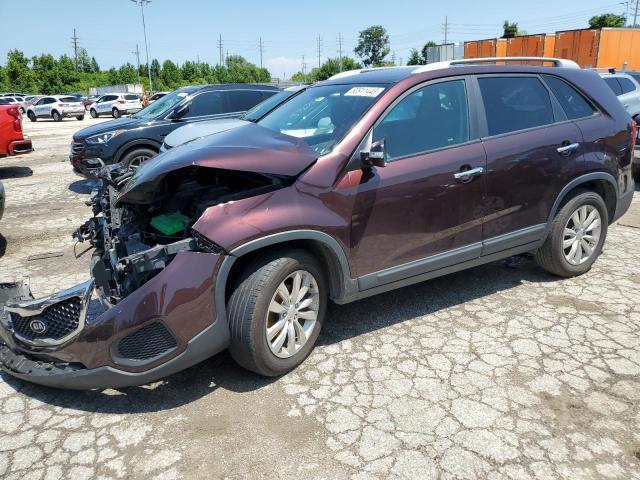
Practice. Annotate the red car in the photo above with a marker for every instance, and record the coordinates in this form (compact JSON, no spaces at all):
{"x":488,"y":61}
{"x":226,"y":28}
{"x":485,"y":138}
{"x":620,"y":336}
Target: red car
{"x":12,"y":139}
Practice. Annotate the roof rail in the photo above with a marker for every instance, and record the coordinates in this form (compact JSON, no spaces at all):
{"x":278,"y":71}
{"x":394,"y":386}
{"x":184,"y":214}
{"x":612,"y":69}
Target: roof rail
{"x":557,"y":62}
{"x":350,"y":73}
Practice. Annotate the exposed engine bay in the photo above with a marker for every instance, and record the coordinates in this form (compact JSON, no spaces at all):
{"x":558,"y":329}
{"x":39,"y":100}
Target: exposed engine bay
{"x":136,"y":232}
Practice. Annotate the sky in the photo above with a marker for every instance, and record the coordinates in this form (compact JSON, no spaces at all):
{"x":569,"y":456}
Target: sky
{"x":182,"y":30}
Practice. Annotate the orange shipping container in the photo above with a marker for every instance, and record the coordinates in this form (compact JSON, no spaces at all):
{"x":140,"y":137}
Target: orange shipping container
{"x":531,"y":46}
{"x":492,"y":47}
{"x":600,"y":48}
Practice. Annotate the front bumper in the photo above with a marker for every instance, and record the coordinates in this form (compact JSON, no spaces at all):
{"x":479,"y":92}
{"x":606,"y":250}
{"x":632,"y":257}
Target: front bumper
{"x":87,"y":159}
{"x":181,"y":298}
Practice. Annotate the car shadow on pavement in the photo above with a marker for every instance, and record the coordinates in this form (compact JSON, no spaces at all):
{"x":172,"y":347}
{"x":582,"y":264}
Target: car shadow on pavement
{"x":3,"y":246}
{"x":15,"y":172}
{"x":83,"y":187}
{"x":345,"y":322}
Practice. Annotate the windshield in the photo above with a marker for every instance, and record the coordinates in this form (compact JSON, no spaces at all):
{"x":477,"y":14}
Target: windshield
{"x":163,"y":105}
{"x":322,"y":115}
{"x":265,"y":107}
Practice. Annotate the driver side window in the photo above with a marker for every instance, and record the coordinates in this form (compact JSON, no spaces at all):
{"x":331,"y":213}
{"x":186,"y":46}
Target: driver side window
{"x":432,"y":117}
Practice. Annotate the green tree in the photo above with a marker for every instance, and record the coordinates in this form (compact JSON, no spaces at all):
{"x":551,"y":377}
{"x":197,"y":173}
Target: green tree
{"x":170,"y":76}
{"x":84,"y":62}
{"x":607,"y":20}
{"x":414,"y":57}
{"x":18,"y":74}
{"x":373,"y":46}
{"x":510,"y":29}
{"x":127,"y":73}
{"x":69,"y":77}
{"x":155,"y":69}
{"x":95,"y":68}
{"x":46,"y":70}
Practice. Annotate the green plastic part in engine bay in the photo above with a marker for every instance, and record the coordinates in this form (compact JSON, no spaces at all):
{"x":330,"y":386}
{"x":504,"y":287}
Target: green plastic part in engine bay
{"x":170,"y":223}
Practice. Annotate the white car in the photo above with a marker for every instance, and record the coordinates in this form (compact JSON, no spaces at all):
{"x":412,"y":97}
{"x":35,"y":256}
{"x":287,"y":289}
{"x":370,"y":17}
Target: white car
{"x":626,"y":88}
{"x":116,"y":105}
{"x":56,"y":107}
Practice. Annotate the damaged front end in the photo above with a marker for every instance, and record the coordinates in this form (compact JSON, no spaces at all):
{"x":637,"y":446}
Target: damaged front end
{"x":137,"y":232}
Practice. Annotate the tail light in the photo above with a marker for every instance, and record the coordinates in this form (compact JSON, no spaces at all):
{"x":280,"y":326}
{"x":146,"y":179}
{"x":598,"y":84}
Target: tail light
{"x":121,"y":101}
{"x":634,"y":131}
{"x":61,"y":104}
{"x":17,"y":122}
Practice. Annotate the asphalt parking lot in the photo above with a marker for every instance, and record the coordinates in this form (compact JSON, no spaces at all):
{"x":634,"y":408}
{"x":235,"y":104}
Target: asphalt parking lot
{"x":500,"y":372}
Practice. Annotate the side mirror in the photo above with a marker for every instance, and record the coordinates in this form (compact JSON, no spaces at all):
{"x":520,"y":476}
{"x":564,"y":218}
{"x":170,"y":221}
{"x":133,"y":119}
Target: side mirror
{"x":376,"y":156}
{"x":181,"y":112}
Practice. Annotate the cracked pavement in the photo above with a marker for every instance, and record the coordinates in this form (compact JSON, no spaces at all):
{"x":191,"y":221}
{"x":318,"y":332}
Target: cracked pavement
{"x":499,"y":372}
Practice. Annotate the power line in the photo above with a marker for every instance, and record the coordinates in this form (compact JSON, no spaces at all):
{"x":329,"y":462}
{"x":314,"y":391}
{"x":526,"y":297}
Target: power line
{"x":142,"y":3}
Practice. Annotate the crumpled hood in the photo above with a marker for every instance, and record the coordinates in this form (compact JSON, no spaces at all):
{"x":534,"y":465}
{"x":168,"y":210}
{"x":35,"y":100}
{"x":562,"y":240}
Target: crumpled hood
{"x":196,"y":130}
{"x":111,"y":125}
{"x":250,"y":148}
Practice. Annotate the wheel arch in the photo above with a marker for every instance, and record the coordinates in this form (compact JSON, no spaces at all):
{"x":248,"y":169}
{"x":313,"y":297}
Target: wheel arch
{"x":322,"y":245}
{"x":602,"y":183}
{"x":135,"y":144}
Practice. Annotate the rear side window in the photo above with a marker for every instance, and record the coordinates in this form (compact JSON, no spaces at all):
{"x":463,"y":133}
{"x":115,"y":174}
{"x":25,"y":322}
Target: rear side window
{"x":131,"y":97}
{"x":626,"y":85}
{"x":243,"y":100}
{"x":572,"y":102}
{"x":614,"y":85}
{"x":515,"y":103}
{"x":207,"y":103}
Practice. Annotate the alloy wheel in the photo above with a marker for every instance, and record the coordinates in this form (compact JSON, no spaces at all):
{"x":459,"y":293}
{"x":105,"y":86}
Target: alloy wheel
{"x":581,"y":234}
{"x":292,"y":314}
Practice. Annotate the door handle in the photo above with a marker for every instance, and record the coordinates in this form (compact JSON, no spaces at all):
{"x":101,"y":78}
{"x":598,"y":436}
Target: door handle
{"x":468,"y":174}
{"x":568,"y":149}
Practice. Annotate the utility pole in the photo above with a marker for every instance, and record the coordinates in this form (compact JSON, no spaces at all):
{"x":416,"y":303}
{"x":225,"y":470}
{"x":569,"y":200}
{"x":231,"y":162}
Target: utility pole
{"x":340,"y":49}
{"x":446,"y":29}
{"x":137,"y":54}
{"x":261,"y":47}
{"x":304,"y":69}
{"x":319,"y":51}
{"x":74,"y":39}
{"x":142,"y":3}
{"x":221,"y":51}
{"x":635,"y":13}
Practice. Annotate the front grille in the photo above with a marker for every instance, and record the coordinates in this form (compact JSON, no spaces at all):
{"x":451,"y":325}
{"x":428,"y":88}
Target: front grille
{"x":149,"y":342}
{"x":206,"y":245}
{"x":60,"y":320}
{"x":77,"y":148}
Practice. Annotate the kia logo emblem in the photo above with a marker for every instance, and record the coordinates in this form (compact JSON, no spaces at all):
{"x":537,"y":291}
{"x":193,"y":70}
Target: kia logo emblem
{"x":38,"y":326}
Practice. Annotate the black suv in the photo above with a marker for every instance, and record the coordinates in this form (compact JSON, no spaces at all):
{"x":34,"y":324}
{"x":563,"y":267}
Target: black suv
{"x":133,"y":140}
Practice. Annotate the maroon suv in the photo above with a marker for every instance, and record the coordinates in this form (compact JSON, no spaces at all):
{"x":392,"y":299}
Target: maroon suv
{"x":364,"y":183}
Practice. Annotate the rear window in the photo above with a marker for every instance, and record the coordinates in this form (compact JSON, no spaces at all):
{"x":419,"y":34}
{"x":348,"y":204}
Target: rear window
{"x":131,"y":97}
{"x":515,"y":103}
{"x":626,"y":85}
{"x":614,"y":85}
{"x":69,"y":99}
{"x":572,"y":102}
{"x":243,"y":100}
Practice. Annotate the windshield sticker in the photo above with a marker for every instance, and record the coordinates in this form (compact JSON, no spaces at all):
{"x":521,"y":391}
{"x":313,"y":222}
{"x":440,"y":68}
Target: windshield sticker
{"x":364,"y":92}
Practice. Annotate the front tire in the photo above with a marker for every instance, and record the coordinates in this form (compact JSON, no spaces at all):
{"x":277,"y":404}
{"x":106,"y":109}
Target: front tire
{"x":276,"y":311}
{"x":116,"y":113}
{"x":577,"y":235}
{"x":56,"y":116}
{"x":32,"y":116}
{"x":93,"y":113}
{"x":135,"y":158}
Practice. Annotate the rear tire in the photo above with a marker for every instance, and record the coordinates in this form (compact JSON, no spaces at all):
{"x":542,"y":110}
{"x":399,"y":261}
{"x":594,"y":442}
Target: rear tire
{"x":80,"y":117}
{"x":566,"y":254}
{"x":253,"y":317}
{"x":56,"y":116}
{"x":93,"y":113}
{"x":32,"y":116}
{"x":636,"y":173}
{"x":115,"y":113}
{"x":135,"y":158}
